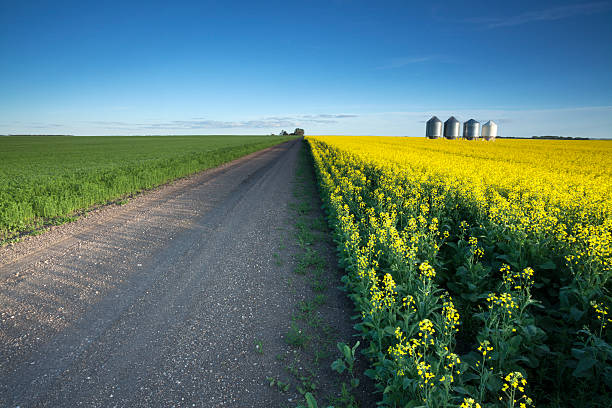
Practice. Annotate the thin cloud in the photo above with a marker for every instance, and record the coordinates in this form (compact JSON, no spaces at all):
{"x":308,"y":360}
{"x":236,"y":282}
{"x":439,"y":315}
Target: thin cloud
{"x":218,"y":124}
{"x":602,"y":108}
{"x":549,"y":14}
{"x":504,"y":121}
{"x":202,"y":123}
{"x":329,"y":116}
{"x":111,"y":123}
{"x":45,"y":125}
{"x":34,"y":125}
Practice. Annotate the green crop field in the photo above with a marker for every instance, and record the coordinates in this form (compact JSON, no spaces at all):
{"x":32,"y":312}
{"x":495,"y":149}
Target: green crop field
{"x":44,"y":179}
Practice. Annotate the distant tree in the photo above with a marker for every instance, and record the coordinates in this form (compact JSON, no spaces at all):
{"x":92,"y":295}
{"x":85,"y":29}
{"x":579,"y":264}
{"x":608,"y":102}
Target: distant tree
{"x":283,"y":133}
{"x":298,"y":132}
{"x":559,"y":138}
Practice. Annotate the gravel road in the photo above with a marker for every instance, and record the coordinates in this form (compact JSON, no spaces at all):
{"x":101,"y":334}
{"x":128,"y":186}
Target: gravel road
{"x":158,"y":302}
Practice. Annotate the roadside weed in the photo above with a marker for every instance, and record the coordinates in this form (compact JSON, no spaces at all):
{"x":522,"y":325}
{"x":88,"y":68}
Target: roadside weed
{"x":295,"y":337}
{"x":280,"y":385}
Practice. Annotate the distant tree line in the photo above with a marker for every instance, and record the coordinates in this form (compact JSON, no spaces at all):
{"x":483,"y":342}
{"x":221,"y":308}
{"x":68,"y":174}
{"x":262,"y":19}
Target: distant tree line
{"x":545,"y":137}
{"x":559,"y":138}
{"x":296,"y":132}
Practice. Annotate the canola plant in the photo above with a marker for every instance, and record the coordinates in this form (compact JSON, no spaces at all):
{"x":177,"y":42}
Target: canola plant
{"x":480,"y":270}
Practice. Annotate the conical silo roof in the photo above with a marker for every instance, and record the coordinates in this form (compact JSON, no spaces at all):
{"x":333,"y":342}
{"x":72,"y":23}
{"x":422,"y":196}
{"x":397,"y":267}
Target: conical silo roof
{"x":452,"y":119}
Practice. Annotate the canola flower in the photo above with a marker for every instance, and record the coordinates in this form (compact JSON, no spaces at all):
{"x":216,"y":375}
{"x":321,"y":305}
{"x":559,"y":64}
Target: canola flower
{"x":424,"y":371}
{"x":381,"y":299}
{"x":469,"y":403}
{"x":517,"y":280}
{"x":408,"y":303}
{"x":485,"y":349}
{"x":451,"y":362}
{"x":476,"y":250}
{"x":451,"y":316}
{"x":601,"y":311}
{"x":514,"y":390}
{"x":505,"y":301}
{"x":426,"y":331}
{"x":400,"y":351}
{"x":427,"y":271}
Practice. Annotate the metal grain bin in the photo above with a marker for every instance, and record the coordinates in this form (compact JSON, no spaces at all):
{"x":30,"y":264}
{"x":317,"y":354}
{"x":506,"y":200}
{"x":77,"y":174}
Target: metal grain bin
{"x":489,"y":130}
{"x":433,"y":129}
{"x":451,"y":128}
{"x":471,"y":130}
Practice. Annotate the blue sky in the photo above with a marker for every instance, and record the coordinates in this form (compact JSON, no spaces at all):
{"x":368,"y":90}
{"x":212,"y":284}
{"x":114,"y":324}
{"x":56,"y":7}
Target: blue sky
{"x":331,"y":67}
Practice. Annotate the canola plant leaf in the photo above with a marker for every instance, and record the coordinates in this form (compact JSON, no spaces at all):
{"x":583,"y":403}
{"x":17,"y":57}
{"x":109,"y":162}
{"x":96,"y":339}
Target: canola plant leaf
{"x":583,"y":367}
{"x":548,"y":265}
{"x":462,"y":390}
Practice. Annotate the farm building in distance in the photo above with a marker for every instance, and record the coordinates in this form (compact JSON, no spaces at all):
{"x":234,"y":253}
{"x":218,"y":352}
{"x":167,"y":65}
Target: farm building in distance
{"x":471,"y":129}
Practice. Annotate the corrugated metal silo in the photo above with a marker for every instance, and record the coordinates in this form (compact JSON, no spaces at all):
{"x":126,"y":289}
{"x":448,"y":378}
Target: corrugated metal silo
{"x":451,"y":128}
{"x":433,"y":129}
{"x":471,"y":129}
{"x":489,"y":130}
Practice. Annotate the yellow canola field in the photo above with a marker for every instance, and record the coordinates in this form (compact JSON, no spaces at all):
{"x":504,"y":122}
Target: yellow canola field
{"x":563,"y":187}
{"x":572,"y":174}
{"x":421,"y":222}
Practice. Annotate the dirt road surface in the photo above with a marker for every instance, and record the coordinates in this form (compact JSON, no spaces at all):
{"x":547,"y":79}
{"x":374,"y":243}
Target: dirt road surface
{"x":155,"y":303}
